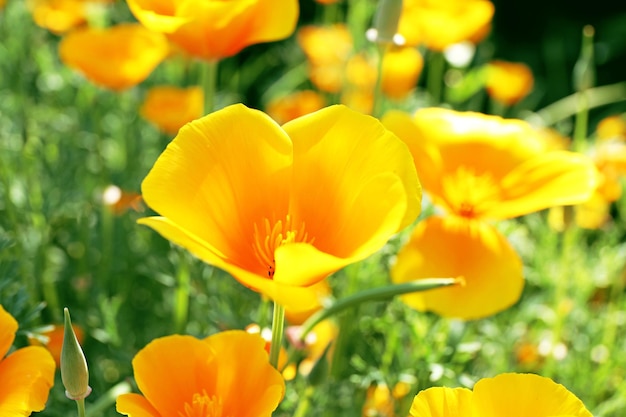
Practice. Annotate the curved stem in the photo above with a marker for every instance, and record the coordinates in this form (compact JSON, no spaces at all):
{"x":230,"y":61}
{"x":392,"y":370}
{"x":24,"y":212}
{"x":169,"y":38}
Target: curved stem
{"x":278,"y":324}
{"x":375,"y":294}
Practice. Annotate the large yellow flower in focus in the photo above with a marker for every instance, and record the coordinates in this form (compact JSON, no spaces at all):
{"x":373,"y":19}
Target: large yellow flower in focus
{"x":215,"y":29}
{"x":281,"y":208}
{"x":479,"y":168}
{"x":227,"y":374}
{"x":26,"y":375}
{"x":510,"y":395}
{"x":118,"y":57}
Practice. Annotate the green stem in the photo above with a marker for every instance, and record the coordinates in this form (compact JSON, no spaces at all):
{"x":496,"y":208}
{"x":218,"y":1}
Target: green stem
{"x":569,"y":106}
{"x":374,"y":294}
{"x":81,"y":407}
{"x":582,"y":121}
{"x":304,"y":403}
{"x":378,"y":89}
{"x":434,"y":80}
{"x":278,"y":324}
{"x":209,"y":83}
{"x":181,"y":306}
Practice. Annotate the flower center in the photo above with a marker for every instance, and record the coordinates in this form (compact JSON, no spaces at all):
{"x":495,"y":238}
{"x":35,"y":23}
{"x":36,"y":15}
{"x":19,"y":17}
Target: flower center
{"x":203,"y":406}
{"x":470,"y":193}
{"x":269,"y":236}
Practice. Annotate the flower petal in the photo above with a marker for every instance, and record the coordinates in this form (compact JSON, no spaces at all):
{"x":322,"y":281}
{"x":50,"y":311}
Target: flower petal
{"x":157,"y":15}
{"x":451,"y":247}
{"x":292,"y":297}
{"x":344,"y":162}
{"x":26,"y":378}
{"x":135,"y":405}
{"x":522,"y":395}
{"x":8,"y":327}
{"x":551,"y":179}
{"x":166,"y":381}
{"x":442,"y":402}
{"x":219,"y":177}
{"x":248,"y":385}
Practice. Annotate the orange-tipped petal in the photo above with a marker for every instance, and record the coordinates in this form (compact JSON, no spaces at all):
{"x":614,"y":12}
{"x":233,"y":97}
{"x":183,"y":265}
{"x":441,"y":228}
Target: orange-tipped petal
{"x":135,"y":405}
{"x":456,"y":247}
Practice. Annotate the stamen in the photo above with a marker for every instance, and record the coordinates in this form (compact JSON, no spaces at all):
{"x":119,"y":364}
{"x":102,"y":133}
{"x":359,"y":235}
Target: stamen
{"x":203,"y":406}
{"x":270,"y":236}
{"x":470,"y":193}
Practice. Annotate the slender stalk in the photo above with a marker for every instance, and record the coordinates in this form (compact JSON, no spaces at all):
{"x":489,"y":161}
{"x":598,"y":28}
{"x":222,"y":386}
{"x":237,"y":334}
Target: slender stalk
{"x":582,"y":122}
{"x":434,"y":80}
{"x":278,"y":324}
{"x":378,"y":89}
{"x":209,"y":83}
{"x":81,"y":407}
{"x":181,"y":306}
{"x":105,"y":401}
{"x":375,"y":294}
{"x":304,"y":403}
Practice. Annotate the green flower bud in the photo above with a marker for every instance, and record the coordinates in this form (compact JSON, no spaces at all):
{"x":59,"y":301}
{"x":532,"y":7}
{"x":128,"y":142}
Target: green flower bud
{"x":74,"y":371}
{"x":386,"y":23}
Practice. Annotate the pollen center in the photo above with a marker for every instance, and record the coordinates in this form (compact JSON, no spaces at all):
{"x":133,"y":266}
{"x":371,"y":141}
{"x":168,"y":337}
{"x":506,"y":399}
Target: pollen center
{"x":203,"y":406}
{"x":269,"y":236}
{"x":470,"y":193}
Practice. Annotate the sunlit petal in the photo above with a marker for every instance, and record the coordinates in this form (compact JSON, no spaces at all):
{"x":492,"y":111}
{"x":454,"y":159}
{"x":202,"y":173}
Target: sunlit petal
{"x":457,"y":247}
{"x":135,"y":405}
{"x":442,"y":402}
{"x":8,"y":327}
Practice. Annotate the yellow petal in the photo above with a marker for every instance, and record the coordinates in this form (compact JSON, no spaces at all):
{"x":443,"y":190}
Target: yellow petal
{"x":551,"y":179}
{"x":135,"y":405}
{"x":8,"y":327}
{"x":118,"y":57}
{"x":217,"y":180}
{"x":248,"y":385}
{"x":442,"y":402}
{"x":169,"y":370}
{"x":401,"y":70}
{"x":26,"y":377}
{"x":170,"y":108}
{"x":458,"y":247}
{"x":523,"y":395}
{"x":157,"y":15}
{"x":343,"y":162}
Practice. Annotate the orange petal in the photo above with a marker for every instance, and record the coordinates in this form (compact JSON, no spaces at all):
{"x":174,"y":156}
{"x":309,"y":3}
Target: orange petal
{"x":135,"y":405}
{"x":557,"y":178}
{"x":158,"y":15}
{"x":343,"y":162}
{"x":523,"y":395}
{"x":8,"y":327}
{"x":442,"y":402}
{"x":27,"y":376}
{"x":169,"y":370}
{"x":169,"y":108}
{"x":457,"y":247}
{"x":248,"y":385}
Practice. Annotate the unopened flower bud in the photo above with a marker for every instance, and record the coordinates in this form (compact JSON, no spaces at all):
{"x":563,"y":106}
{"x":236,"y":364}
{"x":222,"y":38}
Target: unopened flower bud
{"x":74,"y":371}
{"x":386,"y":23}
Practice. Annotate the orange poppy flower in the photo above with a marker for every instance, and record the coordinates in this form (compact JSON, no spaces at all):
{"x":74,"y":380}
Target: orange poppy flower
{"x":119,"y":201}
{"x":511,"y":395}
{"x":508,"y":82}
{"x":250,"y":204}
{"x":402,"y":67}
{"x":226,"y":374}
{"x":479,"y":167}
{"x":294,"y":105}
{"x":440,"y":23}
{"x":326,"y":64}
{"x":54,"y":341}
{"x":58,"y":16}
{"x":169,"y":108}
{"x":217,"y":29}
{"x":118,"y":57}
{"x":26,"y":375}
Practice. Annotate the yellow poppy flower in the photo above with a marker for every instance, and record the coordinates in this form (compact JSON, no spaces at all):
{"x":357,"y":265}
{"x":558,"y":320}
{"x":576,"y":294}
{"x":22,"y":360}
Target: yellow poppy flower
{"x":169,"y":108}
{"x":440,"y":23}
{"x":217,"y":29}
{"x":294,"y":105}
{"x":326,"y":65}
{"x":511,"y":395}
{"x":58,"y":16}
{"x":26,"y":375}
{"x":285,"y":207}
{"x":479,"y":167}
{"x":118,"y":57}
{"x":508,"y":82}
{"x":226,"y":374}
{"x":612,"y":127}
{"x":402,"y":67}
